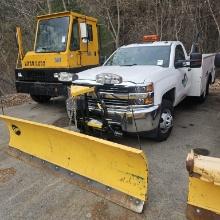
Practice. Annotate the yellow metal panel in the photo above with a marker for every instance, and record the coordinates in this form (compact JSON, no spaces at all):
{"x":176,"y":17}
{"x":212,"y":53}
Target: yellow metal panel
{"x":90,"y":51}
{"x":19,"y":42}
{"x":80,"y":90}
{"x":95,"y":124}
{"x":34,"y":60}
{"x":208,"y":168}
{"x":117,"y":166}
{"x":203,"y":194}
{"x":66,"y":13}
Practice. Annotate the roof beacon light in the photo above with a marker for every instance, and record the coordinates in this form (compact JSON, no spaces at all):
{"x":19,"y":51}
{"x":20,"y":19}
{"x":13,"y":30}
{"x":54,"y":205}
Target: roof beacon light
{"x":151,"y":38}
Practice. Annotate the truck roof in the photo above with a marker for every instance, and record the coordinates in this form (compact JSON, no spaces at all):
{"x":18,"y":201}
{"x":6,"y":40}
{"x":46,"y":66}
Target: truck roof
{"x":156,"y":43}
{"x":65,"y":13}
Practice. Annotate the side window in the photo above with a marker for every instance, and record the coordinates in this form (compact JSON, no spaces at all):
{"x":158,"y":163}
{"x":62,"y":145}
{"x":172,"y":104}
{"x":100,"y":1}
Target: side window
{"x":179,"y":54}
{"x":90,"y":33}
{"x":75,"y":44}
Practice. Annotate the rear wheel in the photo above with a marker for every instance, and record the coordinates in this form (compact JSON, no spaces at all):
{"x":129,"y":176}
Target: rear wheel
{"x":40,"y":98}
{"x":204,"y":95}
{"x":166,"y":121}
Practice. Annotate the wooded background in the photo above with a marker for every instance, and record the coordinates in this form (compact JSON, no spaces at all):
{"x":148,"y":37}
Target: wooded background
{"x":121,"y":21}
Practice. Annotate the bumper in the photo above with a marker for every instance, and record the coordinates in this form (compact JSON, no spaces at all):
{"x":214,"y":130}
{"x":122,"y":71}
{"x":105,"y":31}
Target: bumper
{"x":138,"y":120}
{"x":41,"y":88}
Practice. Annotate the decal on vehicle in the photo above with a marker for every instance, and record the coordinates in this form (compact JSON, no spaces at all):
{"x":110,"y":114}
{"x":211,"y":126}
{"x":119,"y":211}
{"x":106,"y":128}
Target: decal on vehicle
{"x":35,"y":63}
{"x":185,"y":80}
{"x":57,"y":60}
{"x":16,"y":130}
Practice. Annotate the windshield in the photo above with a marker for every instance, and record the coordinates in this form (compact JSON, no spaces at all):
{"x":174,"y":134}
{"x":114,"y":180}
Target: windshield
{"x":144,"y":55}
{"x":52,"y":35}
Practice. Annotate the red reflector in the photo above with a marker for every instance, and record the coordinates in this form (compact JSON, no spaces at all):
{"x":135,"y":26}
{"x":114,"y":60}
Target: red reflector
{"x":151,"y":38}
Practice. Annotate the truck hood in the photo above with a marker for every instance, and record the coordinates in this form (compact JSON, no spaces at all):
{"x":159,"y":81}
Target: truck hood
{"x":133,"y":74}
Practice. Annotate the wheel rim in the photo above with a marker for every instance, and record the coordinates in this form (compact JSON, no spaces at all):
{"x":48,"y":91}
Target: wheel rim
{"x":166,"y":121}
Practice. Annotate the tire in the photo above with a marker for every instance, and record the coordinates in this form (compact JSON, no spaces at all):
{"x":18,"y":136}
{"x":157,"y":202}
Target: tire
{"x":40,"y":98}
{"x":166,"y":121}
{"x":204,"y":95}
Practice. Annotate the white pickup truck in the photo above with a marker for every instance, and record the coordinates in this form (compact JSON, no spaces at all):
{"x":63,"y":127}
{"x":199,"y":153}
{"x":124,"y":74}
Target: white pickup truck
{"x":139,"y":86}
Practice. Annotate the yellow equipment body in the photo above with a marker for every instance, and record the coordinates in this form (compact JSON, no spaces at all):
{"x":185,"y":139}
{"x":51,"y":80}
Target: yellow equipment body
{"x":65,"y":43}
{"x":123,"y":170}
{"x":86,"y":54}
{"x":19,"y":41}
{"x":204,"y":187}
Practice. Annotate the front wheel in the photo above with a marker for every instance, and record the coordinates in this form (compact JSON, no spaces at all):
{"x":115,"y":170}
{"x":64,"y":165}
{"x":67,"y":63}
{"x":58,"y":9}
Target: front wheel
{"x":40,"y":98}
{"x":166,"y":121}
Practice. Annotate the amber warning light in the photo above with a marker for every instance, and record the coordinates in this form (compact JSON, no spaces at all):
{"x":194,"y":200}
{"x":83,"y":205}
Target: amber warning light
{"x":151,"y":38}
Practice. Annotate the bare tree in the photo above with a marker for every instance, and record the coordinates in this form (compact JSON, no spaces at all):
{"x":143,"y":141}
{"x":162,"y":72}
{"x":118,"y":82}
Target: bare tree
{"x":49,"y":6}
{"x":123,"y":22}
{"x":109,"y":11}
{"x":64,"y":5}
{"x":214,"y":17}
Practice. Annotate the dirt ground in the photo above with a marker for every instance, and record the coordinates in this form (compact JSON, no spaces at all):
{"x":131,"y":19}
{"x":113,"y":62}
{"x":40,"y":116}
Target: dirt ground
{"x":31,"y":193}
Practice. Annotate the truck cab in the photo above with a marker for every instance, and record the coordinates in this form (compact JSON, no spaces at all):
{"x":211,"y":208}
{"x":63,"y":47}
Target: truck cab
{"x":65,"y":43}
{"x":140,"y":84}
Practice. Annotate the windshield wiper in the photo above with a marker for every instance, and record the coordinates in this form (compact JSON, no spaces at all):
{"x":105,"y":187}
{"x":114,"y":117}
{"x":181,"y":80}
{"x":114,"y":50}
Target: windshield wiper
{"x":134,"y":64}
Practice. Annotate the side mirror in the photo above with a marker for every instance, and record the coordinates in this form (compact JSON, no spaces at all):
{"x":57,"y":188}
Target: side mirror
{"x":179,"y":64}
{"x":84,"y":32}
{"x":195,"y":60}
{"x":217,"y":60}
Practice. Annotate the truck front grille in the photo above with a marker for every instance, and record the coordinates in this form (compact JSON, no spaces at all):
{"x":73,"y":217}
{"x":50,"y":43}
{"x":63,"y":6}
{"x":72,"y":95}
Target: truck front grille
{"x":114,"y":97}
{"x":92,"y":102}
{"x":37,"y":76}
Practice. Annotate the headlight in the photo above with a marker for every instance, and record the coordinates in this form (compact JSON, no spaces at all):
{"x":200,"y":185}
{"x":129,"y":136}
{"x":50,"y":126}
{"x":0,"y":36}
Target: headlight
{"x":139,"y":102}
{"x":150,"y":94}
{"x":143,"y":95}
{"x":108,"y":78}
{"x":150,"y":87}
{"x":150,"y":99}
{"x":64,"y":76}
{"x":20,"y":74}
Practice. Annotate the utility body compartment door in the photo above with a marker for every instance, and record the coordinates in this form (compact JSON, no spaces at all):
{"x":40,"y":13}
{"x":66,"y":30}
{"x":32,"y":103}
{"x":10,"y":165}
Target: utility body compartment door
{"x":201,"y":75}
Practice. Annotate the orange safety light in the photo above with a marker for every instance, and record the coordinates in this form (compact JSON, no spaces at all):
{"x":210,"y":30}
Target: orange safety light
{"x":151,"y":38}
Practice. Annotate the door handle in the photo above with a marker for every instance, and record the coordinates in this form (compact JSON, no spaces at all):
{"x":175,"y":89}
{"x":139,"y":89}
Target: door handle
{"x":189,"y":69}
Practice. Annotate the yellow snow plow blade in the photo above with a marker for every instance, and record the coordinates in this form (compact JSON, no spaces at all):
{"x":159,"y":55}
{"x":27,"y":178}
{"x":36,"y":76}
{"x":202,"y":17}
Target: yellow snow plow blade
{"x":122,"y":170}
{"x":204,"y":187}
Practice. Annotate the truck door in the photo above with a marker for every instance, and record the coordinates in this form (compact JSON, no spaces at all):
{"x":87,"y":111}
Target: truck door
{"x":184,"y":74}
{"x":90,"y":48}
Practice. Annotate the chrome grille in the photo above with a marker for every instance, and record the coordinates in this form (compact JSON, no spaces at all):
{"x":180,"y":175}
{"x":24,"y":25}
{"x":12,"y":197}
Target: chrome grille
{"x":111,"y":101}
{"x":114,"y":89}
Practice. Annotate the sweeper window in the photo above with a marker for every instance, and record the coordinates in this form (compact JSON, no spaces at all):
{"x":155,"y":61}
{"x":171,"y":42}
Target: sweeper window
{"x":52,"y":35}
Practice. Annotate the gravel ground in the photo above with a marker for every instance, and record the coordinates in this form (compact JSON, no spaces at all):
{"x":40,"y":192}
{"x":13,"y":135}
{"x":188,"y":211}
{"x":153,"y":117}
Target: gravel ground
{"x":14,"y":99}
{"x":216,"y":85}
{"x":30,"y":193}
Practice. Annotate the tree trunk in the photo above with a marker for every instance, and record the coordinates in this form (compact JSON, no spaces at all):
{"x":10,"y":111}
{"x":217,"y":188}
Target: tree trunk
{"x":64,"y":5}
{"x":119,"y":25}
{"x":49,"y":6}
{"x":214,"y":17}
